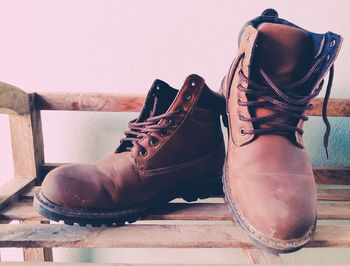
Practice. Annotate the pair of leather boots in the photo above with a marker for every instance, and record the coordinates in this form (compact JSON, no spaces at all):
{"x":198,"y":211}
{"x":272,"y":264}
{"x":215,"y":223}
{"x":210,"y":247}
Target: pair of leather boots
{"x":176,"y":149}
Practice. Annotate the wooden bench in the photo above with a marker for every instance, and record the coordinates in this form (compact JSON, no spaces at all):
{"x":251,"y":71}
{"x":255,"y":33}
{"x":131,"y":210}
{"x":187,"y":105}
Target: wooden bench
{"x":37,"y":236}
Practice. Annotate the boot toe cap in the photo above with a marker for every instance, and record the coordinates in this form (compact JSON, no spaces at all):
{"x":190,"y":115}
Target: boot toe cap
{"x":74,"y":186}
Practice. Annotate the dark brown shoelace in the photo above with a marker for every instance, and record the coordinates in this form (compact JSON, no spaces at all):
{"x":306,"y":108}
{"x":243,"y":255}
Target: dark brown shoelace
{"x":284,"y":102}
{"x":139,"y":130}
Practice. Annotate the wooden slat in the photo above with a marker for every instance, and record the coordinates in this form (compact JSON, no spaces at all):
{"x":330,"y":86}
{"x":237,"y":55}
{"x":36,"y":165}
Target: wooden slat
{"x":332,"y":175}
{"x":180,"y":211}
{"x":110,"y":102}
{"x":259,"y":256}
{"x":143,"y":236}
{"x":333,"y":194}
{"x":107,"y":102}
{"x":12,"y":189}
{"x":13,"y":100}
{"x":336,"y":107}
{"x":37,"y":254}
{"x":27,"y":142}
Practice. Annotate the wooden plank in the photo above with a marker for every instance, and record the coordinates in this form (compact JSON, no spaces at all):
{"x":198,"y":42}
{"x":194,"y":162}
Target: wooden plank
{"x":12,"y":189}
{"x":143,"y":236}
{"x":332,"y":175}
{"x":259,"y":256}
{"x":27,"y":143}
{"x":37,"y":254}
{"x":13,"y":100}
{"x":107,"y":102}
{"x":112,"y":102}
{"x":333,"y":194}
{"x":333,"y":211}
{"x":336,"y":107}
{"x":131,"y":236}
{"x":179,"y":211}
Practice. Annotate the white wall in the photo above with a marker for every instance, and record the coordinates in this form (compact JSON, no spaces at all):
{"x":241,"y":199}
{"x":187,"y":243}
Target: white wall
{"x":122,"y":46}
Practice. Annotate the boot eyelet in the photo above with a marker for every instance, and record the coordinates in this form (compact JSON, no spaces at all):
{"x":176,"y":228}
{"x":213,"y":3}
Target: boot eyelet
{"x":188,"y":97}
{"x":332,"y":43}
{"x":242,"y":131}
{"x":154,"y":142}
{"x":164,"y":133}
{"x":157,"y":88}
{"x":143,"y":152}
{"x":193,"y":84}
{"x":239,"y":101}
{"x":241,"y":117}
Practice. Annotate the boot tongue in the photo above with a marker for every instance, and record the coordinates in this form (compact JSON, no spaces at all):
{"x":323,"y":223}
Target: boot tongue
{"x":159,"y":98}
{"x":284,"y":53}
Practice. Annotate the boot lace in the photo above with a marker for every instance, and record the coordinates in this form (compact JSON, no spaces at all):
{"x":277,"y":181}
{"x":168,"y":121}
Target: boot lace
{"x":284,"y":102}
{"x":140,"y":130}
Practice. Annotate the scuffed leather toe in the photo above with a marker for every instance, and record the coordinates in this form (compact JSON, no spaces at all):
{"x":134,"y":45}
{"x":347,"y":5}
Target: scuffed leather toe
{"x":76,"y":186}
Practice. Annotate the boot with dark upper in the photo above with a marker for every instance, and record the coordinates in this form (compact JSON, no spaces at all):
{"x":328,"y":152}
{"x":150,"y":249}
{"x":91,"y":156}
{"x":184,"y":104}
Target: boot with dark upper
{"x":174,"y":149}
{"x":268,"y":178}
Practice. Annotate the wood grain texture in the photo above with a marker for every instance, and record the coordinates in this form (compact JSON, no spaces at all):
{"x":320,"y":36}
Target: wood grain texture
{"x":179,"y":211}
{"x":333,"y":194}
{"x":107,"y":102}
{"x":259,"y":256}
{"x":37,"y":254}
{"x":13,"y":100}
{"x":110,"y":102}
{"x":27,"y":143}
{"x":336,"y":107}
{"x":143,"y":236}
{"x":332,"y":175}
{"x":12,"y":189}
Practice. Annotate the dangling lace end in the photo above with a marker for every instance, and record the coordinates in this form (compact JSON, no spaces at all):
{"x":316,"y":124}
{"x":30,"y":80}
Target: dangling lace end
{"x":324,"y":110}
{"x":326,"y":148}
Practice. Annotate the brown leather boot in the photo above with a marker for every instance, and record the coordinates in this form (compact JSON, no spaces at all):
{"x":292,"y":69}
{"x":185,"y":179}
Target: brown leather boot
{"x":268,"y":179}
{"x":174,"y":149}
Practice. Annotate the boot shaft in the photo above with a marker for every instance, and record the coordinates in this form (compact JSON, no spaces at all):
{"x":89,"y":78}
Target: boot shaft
{"x":278,"y":69}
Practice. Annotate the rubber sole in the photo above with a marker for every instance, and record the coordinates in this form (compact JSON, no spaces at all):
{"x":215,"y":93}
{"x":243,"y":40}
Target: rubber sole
{"x":119,"y":217}
{"x":272,"y":245}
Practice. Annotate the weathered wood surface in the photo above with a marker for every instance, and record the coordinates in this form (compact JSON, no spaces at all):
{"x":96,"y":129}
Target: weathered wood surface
{"x":180,"y":211}
{"x":12,"y":189}
{"x":110,"y":102}
{"x":259,"y":256}
{"x":107,"y":102}
{"x":37,"y":254}
{"x":336,"y":107}
{"x":27,"y":143}
{"x":13,"y":100}
{"x":143,"y":236}
{"x":332,"y":175}
{"x":333,"y":194}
